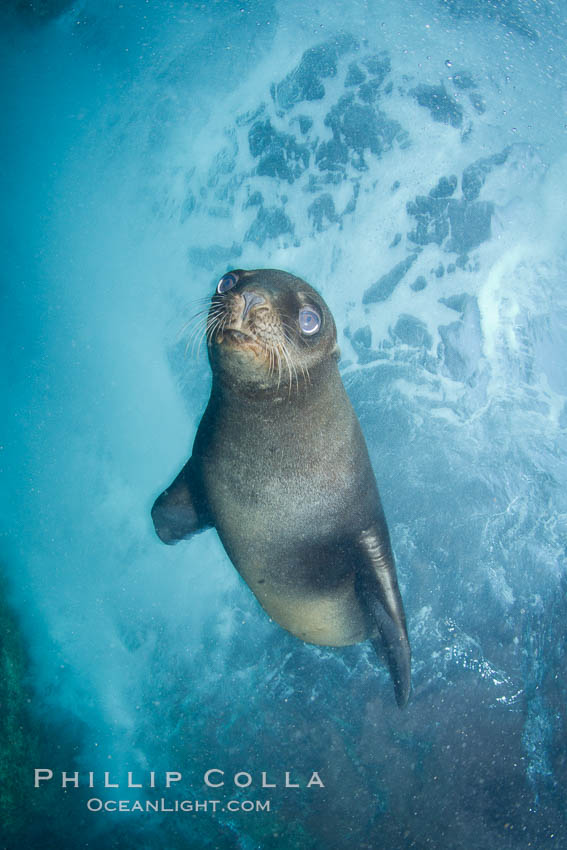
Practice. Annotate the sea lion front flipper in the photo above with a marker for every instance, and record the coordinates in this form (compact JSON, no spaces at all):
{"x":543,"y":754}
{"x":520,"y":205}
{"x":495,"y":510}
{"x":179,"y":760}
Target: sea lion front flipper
{"x":378,"y":592}
{"x":182,"y":509}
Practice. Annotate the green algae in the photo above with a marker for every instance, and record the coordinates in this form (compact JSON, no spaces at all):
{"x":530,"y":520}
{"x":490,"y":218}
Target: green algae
{"x":18,"y":738}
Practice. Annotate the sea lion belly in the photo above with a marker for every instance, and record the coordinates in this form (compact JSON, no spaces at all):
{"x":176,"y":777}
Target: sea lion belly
{"x":284,"y":511}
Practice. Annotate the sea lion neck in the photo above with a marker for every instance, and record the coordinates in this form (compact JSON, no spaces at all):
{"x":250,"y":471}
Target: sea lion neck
{"x":299,"y":391}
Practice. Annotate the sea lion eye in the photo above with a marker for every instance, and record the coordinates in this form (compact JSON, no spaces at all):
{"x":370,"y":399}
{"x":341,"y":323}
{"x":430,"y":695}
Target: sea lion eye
{"x":309,"y":321}
{"x":226,"y":282}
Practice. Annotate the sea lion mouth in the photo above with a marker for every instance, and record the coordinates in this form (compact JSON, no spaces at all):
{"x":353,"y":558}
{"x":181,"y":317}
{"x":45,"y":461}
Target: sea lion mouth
{"x":235,"y":335}
{"x":241,"y":340}
{"x":239,"y":334}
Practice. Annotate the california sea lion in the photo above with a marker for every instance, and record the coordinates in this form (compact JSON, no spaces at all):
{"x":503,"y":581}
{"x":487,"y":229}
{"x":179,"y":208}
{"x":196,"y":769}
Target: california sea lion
{"x":280,"y":468}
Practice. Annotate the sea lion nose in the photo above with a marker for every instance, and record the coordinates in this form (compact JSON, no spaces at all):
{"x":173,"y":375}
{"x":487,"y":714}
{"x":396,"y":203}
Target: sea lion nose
{"x":250,"y":299}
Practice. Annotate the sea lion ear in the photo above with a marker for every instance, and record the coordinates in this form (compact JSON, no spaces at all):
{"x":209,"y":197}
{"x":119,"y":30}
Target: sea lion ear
{"x":181,"y":509}
{"x":336,"y":352}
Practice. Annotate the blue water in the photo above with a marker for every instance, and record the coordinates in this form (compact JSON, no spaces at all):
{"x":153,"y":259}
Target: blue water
{"x":408,"y":160}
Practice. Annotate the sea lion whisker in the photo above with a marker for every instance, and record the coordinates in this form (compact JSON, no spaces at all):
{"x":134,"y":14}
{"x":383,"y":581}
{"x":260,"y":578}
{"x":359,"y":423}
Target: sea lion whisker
{"x":196,"y":320}
{"x":305,"y":373}
{"x":198,"y":341}
{"x":277,"y":353}
{"x":289,"y":365}
{"x":277,"y":362}
{"x":198,"y":302}
{"x":289,"y":358}
{"x":195,"y":333}
{"x":195,"y":317}
{"x":199,"y":331}
{"x":215,"y":314}
{"x":287,"y":333}
{"x":216,"y":308}
{"x":206,"y":299}
{"x":294,"y":370}
{"x":200,"y":305}
{"x":214,"y":317}
{"x":222,"y":324}
{"x":270,"y":351}
{"x":209,"y":329}
{"x":281,"y":358}
{"x":286,"y":329}
{"x":213,"y":326}
{"x":296,"y":376}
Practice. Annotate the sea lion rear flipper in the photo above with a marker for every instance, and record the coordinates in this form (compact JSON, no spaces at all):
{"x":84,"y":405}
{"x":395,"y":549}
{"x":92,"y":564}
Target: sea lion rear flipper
{"x":181,"y":510}
{"x":380,"y":596}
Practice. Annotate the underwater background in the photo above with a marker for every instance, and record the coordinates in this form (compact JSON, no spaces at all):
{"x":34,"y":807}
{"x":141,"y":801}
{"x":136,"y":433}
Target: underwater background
{"x":409,"y":160}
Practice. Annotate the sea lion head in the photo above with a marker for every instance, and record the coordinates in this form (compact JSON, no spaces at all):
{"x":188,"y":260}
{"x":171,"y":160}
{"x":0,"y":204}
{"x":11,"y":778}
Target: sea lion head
{"x":269,"y":330}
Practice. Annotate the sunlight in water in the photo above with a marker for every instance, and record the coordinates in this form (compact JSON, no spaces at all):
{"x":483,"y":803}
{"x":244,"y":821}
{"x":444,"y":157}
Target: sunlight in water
{"x":407,"y":160}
